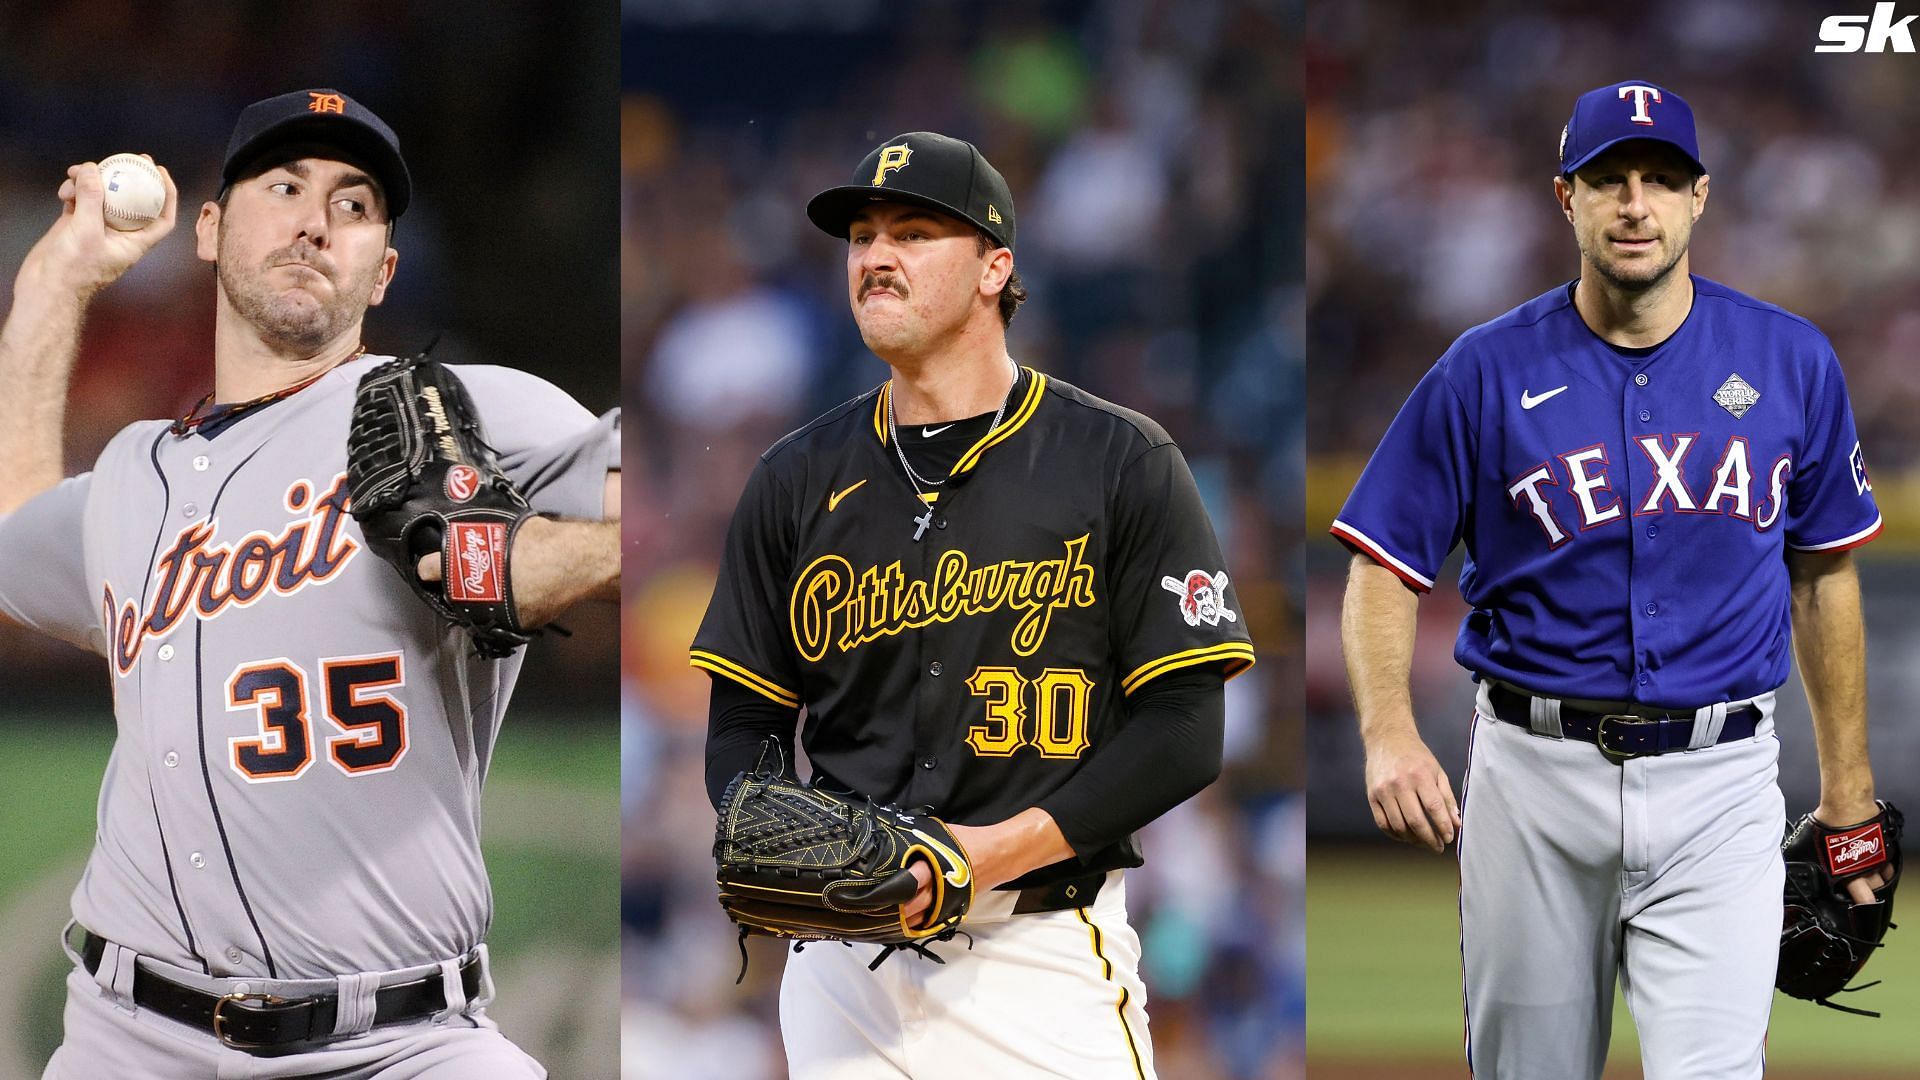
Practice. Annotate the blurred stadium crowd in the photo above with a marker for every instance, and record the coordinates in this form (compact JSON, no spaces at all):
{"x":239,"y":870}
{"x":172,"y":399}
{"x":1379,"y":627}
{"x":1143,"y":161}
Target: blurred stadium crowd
{"x":507,"y":251}
{"x":1432,"y":135}
{"x":1147,"y":145}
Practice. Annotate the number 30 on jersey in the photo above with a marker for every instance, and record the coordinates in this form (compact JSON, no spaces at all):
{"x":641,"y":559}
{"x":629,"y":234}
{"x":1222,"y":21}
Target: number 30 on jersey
{"x":1058,"y":709}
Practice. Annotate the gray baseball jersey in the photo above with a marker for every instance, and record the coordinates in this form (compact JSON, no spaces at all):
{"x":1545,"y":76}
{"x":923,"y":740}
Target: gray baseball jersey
{"x":295,"y":788}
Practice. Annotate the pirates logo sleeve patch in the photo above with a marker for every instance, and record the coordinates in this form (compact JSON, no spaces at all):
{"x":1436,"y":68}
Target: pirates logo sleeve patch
{"x":1203,"y":597}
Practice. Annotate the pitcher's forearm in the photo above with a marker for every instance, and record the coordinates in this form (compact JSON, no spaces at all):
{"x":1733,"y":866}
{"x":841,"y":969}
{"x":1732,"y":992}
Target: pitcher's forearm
{"x":1377,"y":622}
{"x":1830,"y":646}
{"x":557,"y":564}
{"x":66,"y":268}
{"x":38,"y":345}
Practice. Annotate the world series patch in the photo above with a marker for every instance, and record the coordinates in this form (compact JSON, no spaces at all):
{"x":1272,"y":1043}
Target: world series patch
{"x":1736,"y":395}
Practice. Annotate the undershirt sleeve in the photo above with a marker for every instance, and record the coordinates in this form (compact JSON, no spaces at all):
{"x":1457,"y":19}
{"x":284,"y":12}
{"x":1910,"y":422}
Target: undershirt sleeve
{"x":1170,"y":748}
{"x":739,"y":721}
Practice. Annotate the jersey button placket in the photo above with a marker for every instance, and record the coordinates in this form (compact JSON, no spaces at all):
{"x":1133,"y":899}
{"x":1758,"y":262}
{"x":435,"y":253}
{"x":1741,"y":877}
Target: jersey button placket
{"x":933,"y":690}
{"x":1640,"y":549}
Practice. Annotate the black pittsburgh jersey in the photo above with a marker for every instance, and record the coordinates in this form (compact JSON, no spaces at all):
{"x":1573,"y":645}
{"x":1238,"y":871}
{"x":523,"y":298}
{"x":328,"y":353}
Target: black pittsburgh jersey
{"x":974,"y":670}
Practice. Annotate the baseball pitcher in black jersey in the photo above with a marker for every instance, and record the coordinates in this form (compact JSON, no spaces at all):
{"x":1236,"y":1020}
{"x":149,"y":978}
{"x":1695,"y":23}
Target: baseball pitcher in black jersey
{"x":994,"y":595}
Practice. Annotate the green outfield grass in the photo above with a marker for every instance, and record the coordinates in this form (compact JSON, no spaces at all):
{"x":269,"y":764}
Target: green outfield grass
{"x":552,"y":844}
{"x":1383,"y":976}
{"x":49,"y":784}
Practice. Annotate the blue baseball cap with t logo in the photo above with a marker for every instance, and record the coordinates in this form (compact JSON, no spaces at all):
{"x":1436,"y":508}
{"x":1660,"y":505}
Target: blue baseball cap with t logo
{"x":1611,"y":115}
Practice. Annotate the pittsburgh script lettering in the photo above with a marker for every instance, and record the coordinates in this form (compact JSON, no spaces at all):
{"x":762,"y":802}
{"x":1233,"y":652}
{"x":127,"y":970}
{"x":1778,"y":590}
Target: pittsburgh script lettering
{"x":835,"y":607}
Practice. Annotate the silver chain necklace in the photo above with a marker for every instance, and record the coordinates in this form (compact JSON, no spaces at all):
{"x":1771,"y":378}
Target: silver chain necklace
{"x":925,"y":519}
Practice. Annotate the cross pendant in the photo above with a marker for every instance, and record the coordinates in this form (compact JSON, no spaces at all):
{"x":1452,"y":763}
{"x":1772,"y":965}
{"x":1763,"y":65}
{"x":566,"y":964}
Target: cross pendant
{"x":922,"y":522}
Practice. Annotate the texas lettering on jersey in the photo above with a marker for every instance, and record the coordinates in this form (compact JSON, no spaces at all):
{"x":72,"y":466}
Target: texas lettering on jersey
{"x":833,"y":606}
{"x":1583,"y":479}
{"x":1626,"y":513}
{"x":197,"y":575}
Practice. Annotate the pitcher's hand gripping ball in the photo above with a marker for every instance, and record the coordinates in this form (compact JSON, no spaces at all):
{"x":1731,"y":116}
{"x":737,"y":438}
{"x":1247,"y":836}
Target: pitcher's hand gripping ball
{"x":1827,"y":938}
{"x":133,"y":193}
{"x":797,"y":861}
{"x":421,"y":479}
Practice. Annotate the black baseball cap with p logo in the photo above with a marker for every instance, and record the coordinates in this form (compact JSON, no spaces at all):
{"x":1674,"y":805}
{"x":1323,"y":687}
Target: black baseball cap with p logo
{"x":324,"y":117}
{"x":925,"y":169}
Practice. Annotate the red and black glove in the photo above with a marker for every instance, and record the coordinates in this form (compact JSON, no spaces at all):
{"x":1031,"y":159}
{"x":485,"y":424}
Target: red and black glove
{"x":1826,"y":938}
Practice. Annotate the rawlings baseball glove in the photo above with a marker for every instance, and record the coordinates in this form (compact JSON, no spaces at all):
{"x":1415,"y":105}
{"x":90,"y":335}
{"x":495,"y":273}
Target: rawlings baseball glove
{"x":801,"y":862}
{"x":1826,"y":937}
{"x":421,"y":479}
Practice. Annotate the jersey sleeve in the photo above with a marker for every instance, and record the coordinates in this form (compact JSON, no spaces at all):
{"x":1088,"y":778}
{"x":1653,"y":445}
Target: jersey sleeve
{"x":43,"y":574}
{"x":556,"y":451}
{"x":1174,"y":605}
{"x":1410,"y":505}
{"x":744,"y":636}
{"x":1830,"y":503}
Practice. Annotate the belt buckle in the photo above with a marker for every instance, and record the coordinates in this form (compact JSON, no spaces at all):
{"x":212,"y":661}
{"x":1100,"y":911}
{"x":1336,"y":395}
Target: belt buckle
{"x":1600,"y":735}
{"x":219,"y":1021}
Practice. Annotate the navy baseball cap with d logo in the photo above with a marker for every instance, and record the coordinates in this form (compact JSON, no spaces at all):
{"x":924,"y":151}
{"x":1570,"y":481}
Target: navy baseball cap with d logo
{"x":1611,"y":115}
{"x":327,"y":118}
{"x":928,"y":170}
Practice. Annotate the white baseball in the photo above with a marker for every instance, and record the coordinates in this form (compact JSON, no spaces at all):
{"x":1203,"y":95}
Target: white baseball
{"x":135,"y":193}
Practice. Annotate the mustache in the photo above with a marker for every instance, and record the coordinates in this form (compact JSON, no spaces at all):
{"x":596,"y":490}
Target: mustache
{"x":870,"y":282}
{"x":302,"y":253}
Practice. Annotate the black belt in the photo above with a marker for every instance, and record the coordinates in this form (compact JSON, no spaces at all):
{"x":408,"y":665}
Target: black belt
{"x":1623,"y":735}
{"x":1061,"y":895}
{"x":255,"y":1022}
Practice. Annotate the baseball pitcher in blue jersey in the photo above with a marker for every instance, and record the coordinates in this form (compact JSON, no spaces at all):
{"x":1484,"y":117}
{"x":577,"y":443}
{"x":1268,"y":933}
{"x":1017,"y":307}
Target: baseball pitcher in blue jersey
{"x":1658,"y":483}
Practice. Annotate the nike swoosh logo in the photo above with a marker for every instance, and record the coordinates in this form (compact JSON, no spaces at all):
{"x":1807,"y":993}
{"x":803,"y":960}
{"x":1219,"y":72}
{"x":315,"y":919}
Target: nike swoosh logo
{"x":961,"y":872}
{"x":833,"y":501}
{"x":1528,"y":401}
{"x":928,"y":433}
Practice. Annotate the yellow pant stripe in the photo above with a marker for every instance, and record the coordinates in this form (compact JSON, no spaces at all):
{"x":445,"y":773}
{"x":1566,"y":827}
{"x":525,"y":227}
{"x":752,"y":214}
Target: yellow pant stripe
{"x":1120,"y":1007}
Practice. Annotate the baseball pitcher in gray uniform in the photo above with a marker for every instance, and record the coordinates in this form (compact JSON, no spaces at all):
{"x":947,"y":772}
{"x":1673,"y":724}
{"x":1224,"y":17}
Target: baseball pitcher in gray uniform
{"x":286,"y":878}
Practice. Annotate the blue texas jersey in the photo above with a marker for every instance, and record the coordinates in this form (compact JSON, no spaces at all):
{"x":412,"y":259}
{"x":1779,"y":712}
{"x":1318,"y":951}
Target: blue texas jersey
{"x":1625,"y":512}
